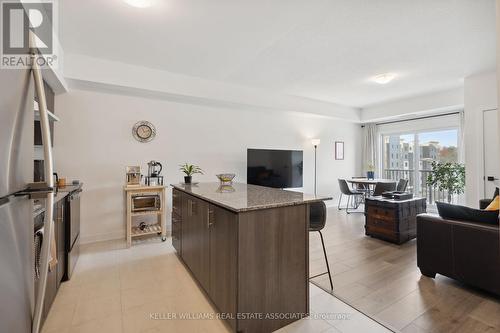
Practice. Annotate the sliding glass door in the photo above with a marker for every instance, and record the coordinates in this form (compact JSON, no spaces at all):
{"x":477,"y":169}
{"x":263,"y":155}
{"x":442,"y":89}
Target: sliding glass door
{"x":399,"y":158}
{"x":409,"y":155}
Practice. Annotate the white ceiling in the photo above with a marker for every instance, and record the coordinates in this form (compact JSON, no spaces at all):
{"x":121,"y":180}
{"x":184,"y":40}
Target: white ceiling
{"x":318,"y":49}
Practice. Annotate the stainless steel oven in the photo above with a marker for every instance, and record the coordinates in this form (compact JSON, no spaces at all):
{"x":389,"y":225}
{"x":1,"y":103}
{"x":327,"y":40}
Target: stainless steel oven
{"x":146,"y":202}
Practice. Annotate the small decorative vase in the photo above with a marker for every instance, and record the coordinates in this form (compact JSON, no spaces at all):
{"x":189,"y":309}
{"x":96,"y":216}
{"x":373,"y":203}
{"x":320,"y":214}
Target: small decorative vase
{"x":226,"y":178}
{"x":187,"y":179}
{"x":370,"y":174}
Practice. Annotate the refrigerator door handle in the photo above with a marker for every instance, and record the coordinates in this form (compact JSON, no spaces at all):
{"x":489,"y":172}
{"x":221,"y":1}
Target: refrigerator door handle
{"x":4,"y":201}
{"x":49,"y":201}
{"x":35,"y":191}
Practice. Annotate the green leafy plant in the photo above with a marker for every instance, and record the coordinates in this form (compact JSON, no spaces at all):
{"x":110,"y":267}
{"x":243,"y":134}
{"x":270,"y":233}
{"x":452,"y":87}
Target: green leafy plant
{"x":370,"y":167}
{"x":448,"y":177}
{"x":190,"y":169}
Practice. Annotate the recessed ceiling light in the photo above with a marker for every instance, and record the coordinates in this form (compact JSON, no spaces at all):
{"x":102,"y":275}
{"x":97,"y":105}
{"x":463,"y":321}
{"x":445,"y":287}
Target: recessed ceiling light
{"x":140,"y":3}
{"x":384,"y":78}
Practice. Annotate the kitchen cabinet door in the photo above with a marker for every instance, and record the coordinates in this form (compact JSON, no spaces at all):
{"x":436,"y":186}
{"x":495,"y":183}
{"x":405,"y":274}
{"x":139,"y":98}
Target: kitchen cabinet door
{"x":223,"y":260}
{"x":195,"y":239}
{"x":60,"y":228}
{"x":177,"y":199}
{"x":177,"y":233}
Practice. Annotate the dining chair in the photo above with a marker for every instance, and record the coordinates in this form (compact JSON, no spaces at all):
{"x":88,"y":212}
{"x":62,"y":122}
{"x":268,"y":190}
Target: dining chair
{"x":317,"y":221}
{"x":384,"y":187}
{"x":402,"y":184}
{"x":350,"y":193}
{"x":362,"y":187}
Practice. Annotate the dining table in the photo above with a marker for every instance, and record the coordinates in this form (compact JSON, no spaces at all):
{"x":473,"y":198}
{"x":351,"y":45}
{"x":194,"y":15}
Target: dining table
{"x":367,"y":185}
{"x":366,"y":181}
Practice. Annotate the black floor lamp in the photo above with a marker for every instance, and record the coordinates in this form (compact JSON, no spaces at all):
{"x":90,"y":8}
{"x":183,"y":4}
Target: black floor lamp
{"x":315,"y":143}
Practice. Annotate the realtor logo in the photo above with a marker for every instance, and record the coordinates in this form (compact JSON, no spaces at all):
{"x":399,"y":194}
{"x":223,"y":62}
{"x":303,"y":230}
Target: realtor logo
{"x":25,"y":26}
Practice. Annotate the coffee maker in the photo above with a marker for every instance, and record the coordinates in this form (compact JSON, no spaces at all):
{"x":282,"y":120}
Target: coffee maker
{"x":154,"y":178}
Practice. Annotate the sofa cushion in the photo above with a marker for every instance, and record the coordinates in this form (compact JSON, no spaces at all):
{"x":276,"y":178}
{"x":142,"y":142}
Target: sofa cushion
{"x":494,"y":205}
{"x":462,"y":213}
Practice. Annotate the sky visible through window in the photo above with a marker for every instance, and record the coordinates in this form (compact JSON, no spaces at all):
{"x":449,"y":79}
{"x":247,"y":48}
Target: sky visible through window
{"x":403,"y":160}
{"x":445,"y":138}
{"x":400,"y":151}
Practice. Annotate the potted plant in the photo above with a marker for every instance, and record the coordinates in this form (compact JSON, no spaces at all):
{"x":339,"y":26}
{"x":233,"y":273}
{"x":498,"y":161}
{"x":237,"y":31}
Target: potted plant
{"x":370,"y":173}
{"x":190,"y":170}
{"x":448,"y":177}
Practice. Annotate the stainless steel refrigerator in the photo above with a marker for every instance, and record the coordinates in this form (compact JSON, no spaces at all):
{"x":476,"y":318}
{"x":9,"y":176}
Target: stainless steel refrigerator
{"x":19,"y":306}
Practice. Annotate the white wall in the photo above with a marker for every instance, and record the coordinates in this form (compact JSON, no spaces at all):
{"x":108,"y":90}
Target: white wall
{"x":93,"y":143}
{"x":480,"y":95}
{"x":102,"y":73}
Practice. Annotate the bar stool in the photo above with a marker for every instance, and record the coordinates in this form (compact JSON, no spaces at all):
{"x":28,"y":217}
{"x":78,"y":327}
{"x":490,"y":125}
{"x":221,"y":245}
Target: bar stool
{"x":317,"y":220}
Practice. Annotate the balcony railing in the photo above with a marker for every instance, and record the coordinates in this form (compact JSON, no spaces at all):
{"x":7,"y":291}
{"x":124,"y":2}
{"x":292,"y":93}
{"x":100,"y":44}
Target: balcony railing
{"x":432,"y":193}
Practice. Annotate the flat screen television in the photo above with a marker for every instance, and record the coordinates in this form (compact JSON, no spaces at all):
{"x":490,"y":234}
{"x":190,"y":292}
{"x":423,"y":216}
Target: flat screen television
{"x":275,"y":168}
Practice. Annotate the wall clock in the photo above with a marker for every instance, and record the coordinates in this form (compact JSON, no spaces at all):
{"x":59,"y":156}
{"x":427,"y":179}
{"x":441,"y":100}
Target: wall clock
{"x":144,"y":131}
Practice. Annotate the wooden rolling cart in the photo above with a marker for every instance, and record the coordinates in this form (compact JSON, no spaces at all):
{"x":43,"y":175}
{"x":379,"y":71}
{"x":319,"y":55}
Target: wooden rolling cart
{"x":132,"y":196}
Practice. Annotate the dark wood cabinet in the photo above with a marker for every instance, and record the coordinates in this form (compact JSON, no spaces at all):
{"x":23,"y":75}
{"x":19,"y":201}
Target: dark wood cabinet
{"x":223,"y":264}
{"x":177,"y":199}
{"x":208,"y":239}
{"x":393,"y":220}
{"x":273,"y":266}
{"x":195,"y":239}
{"x":250,"y":262}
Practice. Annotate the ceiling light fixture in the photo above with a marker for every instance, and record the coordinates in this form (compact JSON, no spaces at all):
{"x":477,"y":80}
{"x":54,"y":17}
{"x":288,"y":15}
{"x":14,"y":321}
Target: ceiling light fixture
{"x":140,"y":3}
{"x":384,"y":78}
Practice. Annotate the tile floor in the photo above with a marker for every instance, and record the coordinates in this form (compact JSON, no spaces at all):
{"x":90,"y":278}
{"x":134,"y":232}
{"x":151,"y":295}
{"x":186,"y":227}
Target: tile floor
{"x":115,"y":289}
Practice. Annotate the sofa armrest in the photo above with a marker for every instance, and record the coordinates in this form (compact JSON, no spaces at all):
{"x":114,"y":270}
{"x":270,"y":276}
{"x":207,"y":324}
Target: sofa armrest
{"x":434,"y":245}
{"x":477,"y":255}
{"x":467,"y":251}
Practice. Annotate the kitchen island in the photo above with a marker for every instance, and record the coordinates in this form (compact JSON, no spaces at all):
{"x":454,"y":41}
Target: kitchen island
{"x":247,"y":247}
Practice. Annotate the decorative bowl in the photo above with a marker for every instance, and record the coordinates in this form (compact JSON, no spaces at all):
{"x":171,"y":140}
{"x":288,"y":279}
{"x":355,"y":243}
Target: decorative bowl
{"x":226,"y":178}
{"x":225,"y":189}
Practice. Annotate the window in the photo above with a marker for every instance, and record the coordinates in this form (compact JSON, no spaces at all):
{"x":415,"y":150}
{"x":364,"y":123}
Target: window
{"x":410,"y":156}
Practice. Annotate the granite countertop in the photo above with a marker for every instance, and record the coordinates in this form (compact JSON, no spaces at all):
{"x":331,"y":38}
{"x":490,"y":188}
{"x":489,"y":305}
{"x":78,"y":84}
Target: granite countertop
{"x":69,"y":188}
{"x":61,"y":193}
{"x":243,"y":197}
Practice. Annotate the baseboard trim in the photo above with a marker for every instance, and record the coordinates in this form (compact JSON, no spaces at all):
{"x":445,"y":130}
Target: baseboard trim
{"x":109,"y":236}
{"x":87,"y":239}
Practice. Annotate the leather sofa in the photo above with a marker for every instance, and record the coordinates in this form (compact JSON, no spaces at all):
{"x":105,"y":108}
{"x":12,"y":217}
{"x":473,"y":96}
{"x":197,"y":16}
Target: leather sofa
{"x":465,"y":251}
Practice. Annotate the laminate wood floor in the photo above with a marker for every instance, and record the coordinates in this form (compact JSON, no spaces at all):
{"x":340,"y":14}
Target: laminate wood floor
{"x":383,"y":281}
